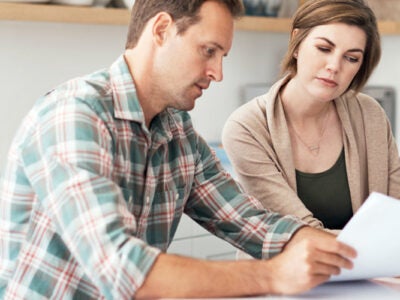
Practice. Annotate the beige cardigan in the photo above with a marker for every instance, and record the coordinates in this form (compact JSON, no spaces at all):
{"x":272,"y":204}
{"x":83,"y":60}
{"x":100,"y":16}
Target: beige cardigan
{"x":257,"y":141}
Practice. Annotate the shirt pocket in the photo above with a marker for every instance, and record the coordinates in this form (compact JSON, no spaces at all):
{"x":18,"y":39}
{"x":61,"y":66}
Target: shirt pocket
{"x":170,"y":201}
{"x":168,"y":204}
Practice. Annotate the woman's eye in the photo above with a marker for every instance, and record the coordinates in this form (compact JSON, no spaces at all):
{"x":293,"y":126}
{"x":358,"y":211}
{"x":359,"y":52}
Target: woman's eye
{"x":324,"y":49}
{"x":352,"y":59}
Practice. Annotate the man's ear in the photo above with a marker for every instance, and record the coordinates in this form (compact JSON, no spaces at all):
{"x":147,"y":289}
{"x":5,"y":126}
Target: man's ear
{"x":162,"y":26}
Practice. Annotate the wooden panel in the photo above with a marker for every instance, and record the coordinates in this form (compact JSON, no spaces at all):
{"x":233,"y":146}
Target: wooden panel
{"x":388,"y":10}
{"x":120,"y":16}
{"x":63,"y":14}
{"x":263,"y":24}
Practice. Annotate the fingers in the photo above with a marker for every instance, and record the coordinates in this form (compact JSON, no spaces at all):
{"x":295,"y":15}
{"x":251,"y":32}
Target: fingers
{"x":298,"y":269}
{"x":346,"y":250}
{"x":319,"y":279}
{"x":331,"y":245}
{"x":313,"y":256}
{"x":323,"y":241}
{"x":327,"y":257}
{"x":336,"y":254}
{"x":329,"y":264}
{"x":337,"y":261}
{"x":321,"y":269}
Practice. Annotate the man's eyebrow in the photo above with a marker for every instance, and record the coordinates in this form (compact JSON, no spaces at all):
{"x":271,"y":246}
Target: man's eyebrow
{"x":220,"y":47}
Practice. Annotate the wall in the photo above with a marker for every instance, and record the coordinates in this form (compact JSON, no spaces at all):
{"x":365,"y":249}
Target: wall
{"x":34,"y":57}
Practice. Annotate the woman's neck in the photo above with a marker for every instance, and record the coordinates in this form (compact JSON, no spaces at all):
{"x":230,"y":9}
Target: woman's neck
{"x":300,"y":107}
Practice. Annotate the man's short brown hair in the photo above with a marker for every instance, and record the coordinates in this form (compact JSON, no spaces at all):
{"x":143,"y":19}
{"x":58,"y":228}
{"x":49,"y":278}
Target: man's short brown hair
{"x":184,"y":13}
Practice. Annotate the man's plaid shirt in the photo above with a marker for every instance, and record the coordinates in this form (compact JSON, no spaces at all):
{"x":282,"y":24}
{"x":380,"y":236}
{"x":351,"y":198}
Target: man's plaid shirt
{"x":90,"y":196}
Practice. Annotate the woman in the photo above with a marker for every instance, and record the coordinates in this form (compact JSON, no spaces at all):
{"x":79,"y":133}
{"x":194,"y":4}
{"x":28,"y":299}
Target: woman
{"x":313,"y":146}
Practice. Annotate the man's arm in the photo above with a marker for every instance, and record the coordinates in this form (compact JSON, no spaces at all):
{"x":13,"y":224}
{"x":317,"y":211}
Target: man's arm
{"x":310,"y":257}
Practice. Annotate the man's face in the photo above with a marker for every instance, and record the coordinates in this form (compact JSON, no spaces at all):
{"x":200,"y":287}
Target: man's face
{"x":186,"y":64}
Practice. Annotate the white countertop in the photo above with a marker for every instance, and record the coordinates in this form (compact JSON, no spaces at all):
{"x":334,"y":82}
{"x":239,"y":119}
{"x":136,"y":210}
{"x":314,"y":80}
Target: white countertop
{"x":382,"y":289}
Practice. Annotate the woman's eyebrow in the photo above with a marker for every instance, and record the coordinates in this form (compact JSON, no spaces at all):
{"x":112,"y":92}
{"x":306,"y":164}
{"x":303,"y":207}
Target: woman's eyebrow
{"x":333,"y":45}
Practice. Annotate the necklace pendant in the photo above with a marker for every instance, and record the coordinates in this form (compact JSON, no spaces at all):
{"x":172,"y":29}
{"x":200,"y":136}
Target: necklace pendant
{"x":314,"y":150}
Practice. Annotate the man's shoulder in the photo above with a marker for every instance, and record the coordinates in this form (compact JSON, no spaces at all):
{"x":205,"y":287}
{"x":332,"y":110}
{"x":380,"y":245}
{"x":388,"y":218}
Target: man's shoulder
{"x":92,"y":89}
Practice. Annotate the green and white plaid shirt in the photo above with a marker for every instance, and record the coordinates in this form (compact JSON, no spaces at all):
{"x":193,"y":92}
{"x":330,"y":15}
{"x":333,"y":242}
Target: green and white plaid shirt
{"x":90,"y":196}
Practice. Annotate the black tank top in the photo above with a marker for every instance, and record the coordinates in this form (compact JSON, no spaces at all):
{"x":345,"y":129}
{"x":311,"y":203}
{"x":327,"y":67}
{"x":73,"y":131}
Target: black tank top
{"x":327,"y":194}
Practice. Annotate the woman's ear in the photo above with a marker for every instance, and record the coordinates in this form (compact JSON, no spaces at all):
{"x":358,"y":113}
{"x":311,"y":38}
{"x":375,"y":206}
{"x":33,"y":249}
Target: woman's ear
{"x":163,"y":23}
{"x":293,"y":35}
{"x":294,"y":32}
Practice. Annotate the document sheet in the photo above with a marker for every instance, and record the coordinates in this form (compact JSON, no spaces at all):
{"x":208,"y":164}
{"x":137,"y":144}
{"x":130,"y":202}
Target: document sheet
{"x":374,"y":231}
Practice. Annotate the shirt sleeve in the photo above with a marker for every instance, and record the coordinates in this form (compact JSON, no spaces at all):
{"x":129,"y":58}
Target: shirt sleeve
{"x":218,"y":204}
{"x":69,"y":162}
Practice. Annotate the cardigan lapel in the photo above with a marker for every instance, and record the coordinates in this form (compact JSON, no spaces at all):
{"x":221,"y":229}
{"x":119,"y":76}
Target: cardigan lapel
{"x":275,"y":116}
{"x":352,"y":153}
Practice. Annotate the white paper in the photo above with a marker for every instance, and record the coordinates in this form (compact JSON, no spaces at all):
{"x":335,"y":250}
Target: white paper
{"x":374,"y":231}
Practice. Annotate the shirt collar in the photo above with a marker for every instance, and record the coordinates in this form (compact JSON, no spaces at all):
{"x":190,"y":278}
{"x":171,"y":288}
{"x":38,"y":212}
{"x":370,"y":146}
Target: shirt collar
{"x":127,"y":105}
{"x":126,"y":102}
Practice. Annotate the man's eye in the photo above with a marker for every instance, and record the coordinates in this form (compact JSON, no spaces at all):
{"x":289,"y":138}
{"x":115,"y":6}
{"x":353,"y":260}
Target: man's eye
{"x":209,"y":51}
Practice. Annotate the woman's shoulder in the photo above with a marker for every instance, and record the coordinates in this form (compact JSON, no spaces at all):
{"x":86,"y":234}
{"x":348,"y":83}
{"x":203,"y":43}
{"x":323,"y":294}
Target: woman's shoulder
{"x":256,"y":108}
{"x":253,"y":108}
{"x":363,"y":103}
{"x":368,"y":101}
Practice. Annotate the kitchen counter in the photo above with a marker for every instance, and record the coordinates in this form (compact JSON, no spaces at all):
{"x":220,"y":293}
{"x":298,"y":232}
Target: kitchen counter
{"x":380,"y":289}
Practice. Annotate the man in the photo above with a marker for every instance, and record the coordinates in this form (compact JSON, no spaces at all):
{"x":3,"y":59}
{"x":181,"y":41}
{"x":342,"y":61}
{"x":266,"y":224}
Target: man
{"x":104,"y":166}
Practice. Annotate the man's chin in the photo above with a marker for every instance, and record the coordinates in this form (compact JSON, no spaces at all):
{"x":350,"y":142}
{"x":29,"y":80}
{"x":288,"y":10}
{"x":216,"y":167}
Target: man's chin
{"x":188,"y":108}
{"x":184,"y":107}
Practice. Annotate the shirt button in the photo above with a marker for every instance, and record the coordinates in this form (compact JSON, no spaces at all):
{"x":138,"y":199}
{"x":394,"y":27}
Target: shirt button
{"x":147,"y":200}
{"x":176,"y":197}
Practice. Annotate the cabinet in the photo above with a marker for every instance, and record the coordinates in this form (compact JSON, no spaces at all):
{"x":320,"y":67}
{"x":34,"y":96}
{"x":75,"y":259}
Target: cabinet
{"x":119,"y":16}
{"x":111,"y":16}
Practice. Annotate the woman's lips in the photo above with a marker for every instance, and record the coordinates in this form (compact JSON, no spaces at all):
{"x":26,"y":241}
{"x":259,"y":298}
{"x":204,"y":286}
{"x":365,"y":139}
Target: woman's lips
{"x":328,"y":82}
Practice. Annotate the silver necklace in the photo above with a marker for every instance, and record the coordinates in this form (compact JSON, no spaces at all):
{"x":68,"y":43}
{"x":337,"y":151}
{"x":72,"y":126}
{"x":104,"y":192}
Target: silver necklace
{"x":314,"y":149}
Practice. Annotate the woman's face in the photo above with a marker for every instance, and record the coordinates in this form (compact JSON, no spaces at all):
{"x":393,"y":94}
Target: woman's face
{"x":329,"y":58}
